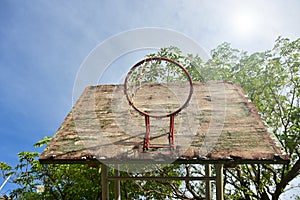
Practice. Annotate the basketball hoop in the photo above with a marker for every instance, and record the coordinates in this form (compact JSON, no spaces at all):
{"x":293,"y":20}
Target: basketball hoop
{"x":134,"y":80}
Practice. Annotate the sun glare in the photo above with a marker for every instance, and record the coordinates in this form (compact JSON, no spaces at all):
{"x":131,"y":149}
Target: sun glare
{"x":245,"y":23}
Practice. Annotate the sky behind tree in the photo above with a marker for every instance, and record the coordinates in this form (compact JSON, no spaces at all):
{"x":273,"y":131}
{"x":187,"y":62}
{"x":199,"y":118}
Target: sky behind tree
{"x":44,"y":43}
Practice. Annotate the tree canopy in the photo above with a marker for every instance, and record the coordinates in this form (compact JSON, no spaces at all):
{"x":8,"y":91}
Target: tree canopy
{"x":271,"y":80}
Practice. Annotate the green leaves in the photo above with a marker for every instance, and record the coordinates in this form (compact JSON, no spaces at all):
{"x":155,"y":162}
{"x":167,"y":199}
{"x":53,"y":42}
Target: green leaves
{"x":5,"y":167}
{"x":271,"y":80}
{"x":42,"y":142}
{"x":59,"y":181}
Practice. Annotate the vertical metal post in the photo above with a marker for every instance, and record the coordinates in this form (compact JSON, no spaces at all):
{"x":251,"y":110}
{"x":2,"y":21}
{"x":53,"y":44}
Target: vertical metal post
{"x":104,"y":182}
{"x":171,"y":134}
{"x":117,"y":183}
{"x":147,"y":135}
{"x":207,"y":182}
{"x":219,"y":182}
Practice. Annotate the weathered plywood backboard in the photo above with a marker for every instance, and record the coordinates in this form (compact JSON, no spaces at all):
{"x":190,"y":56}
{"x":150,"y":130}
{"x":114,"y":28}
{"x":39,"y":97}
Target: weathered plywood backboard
{"x":220,"y":125}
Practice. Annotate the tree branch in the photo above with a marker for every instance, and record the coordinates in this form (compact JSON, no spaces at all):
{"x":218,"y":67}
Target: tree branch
{"x":188,"y":185}
{"x":286,"y":179}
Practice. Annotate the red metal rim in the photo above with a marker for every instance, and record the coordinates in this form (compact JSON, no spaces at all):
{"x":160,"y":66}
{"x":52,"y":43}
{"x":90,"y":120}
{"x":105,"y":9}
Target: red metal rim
{"x":163,"y":59}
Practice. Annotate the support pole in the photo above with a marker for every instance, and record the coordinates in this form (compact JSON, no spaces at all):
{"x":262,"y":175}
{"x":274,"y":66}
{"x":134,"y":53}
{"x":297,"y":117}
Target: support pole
{"x":207,"y":182}
{"x":104,"y":182}
{"x":117,"y":183}
{"x":219,"y":182}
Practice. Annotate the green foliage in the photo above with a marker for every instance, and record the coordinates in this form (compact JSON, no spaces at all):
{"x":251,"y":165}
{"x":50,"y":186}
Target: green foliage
{"x":158,"y":71}
{"x":191,"y":63}
{"x":42,"y":142}
{"x":151,"y":189}
{"x":74,"y":181}
{"x":271,"y":80}
{"x":53,"y":181}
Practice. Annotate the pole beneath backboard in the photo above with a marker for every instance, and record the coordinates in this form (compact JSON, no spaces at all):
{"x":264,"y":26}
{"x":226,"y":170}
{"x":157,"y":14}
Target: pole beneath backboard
{"x":219,"y":182}
{"x":117,"y":183}
{"x":208,"y":183}
{"x":104,"y":182}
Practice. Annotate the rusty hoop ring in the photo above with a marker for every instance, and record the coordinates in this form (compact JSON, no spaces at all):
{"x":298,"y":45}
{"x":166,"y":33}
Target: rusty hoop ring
{"x":167,"y":60}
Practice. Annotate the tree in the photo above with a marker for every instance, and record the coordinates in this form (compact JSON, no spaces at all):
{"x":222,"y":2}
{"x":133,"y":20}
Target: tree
{"x":36,"y":181}
{"x":72,"y":181}
{"x":271,"y":79}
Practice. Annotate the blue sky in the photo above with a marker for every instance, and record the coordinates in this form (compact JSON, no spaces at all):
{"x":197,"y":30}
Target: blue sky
{"x":43,"y":44}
